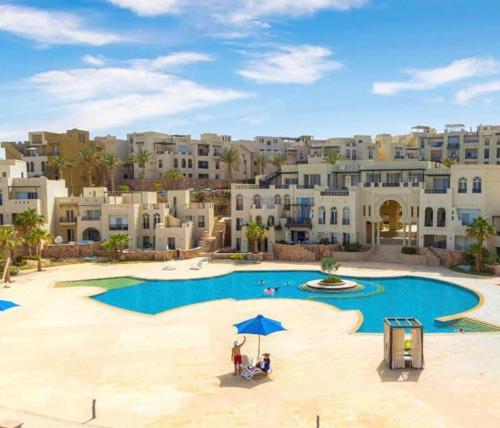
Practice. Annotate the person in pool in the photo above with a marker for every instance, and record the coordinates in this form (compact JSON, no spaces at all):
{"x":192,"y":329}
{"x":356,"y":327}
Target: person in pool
{"x":270,"y":290}
{"x":236,"y":355}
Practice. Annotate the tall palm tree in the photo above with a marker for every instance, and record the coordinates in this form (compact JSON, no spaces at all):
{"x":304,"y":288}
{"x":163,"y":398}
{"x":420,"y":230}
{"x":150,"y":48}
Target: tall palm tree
{"x":480,"y":230}
{"x":89,"y":159}
{"x":230,"y":157}
{"x":37,"y":238}
{"x":9,"y":240}
{"x":142,"y":158}
{"x":278,"y":160}
{"x":255,"y":232}
{"x":174,"y":176}
{"x":333,"y":158}
{"x":26,"y":221}
{"x":261,"y":160}
{"x":110,"y":163}
{"x":60,"y":163}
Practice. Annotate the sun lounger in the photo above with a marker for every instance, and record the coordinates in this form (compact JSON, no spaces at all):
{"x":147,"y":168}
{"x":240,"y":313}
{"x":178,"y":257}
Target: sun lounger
{"x":169,"y":267}
{"x":248,"y":371}
{"x":197,"y":266}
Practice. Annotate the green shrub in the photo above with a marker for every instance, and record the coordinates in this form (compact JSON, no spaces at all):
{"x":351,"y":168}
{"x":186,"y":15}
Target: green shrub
{"x":238,"y":256}
{"x":324,"y":241}
{"x":352,"y":247}
{"x":332,"y":280}
{"x":409,"y":250}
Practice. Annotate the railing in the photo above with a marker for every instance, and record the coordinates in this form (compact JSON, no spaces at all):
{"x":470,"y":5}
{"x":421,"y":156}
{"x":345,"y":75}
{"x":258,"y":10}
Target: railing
{"x":91,"y":217}
{"x":298,"y":222}
{"x":390,"y":184}
{"x":432,"y":191}
{"x":67,"y":219}
{"x":335,"y":192}
{"x":118,"y":227}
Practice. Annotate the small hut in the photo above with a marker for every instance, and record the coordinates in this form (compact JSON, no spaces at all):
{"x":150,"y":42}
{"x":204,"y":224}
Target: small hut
{"x":403,"y":343}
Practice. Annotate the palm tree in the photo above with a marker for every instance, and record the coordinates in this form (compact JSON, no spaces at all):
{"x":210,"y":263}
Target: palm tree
{"x":174,"y":176}
{"x":59,"y":163}
{"x":37,"y":238}
{"x":333,"y":158}
{"x":27,"y":221}
{"x":142,"y":158}
{"x":255,"y":232}
{"x":231,"y":157}
{"x":110,"y":162}
{"x":278,"y":160}
{"x":261,"y":160}
{"x":89,"y":158}
{"x":480,"y":230}
{"x":8,"y":241}
{"x":116,"y":244}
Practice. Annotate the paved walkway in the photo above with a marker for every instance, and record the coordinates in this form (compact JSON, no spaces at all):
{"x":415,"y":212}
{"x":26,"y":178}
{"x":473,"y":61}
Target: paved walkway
{"x":60,"y":350}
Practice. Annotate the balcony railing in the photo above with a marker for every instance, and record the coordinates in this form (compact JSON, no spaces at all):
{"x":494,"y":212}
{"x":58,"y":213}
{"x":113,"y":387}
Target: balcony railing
{"x":335,"y":192}
{"x":118,"y":227}
{"x":91,"y":217}
{"x":67,"y":219}
{"x":298,"y":222}
{"x":431,"y":191}
{"x":390,"y":184}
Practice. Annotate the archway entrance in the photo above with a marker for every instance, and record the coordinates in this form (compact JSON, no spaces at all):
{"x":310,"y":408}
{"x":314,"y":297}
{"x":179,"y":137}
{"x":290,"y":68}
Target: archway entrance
{"x":91,"y":234}
{"x":391,"y":229}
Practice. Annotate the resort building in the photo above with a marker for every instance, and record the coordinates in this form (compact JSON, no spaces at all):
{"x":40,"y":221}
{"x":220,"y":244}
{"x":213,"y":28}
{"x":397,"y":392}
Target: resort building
{"x":407,"y":203}
{"x":18,"y":192}
{"x":471,"y":147}
{"x":194,"y":158}
{"x":97,"y":214}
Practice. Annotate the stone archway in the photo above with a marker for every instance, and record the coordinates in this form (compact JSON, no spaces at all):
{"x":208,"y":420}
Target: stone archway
{"x":91,"y":234}
{"x":391,"y":228}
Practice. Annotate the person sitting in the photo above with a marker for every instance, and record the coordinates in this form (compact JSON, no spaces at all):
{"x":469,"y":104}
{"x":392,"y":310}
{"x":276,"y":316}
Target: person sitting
{"x":236,"y":355}
{"x":265,"y":364}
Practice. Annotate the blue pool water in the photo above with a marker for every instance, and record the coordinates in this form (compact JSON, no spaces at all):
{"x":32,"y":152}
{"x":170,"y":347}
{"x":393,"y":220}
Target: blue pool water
{"x":425,"y":299}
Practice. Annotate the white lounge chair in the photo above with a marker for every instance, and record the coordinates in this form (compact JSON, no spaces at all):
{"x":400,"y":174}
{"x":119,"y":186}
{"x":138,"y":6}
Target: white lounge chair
{"x":169,"y":267}
{"x":248,"y":371}
{"x":197,"y":266}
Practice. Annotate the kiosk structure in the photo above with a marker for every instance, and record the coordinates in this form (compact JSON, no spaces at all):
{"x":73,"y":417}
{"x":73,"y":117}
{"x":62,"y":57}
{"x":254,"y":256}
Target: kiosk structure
{"x":403,"y":343}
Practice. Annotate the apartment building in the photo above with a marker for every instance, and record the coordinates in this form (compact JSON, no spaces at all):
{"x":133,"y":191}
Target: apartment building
{"x":470,"y":147}
{"x":194,"y":158}
{"x":18,"y":192}
{"x":97,"y":214}
{"x":357,"y":147}
{"x":413,"y":203}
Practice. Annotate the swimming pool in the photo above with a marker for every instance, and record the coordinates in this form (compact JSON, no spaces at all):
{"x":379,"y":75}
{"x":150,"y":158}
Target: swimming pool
{"x":423,"y":298}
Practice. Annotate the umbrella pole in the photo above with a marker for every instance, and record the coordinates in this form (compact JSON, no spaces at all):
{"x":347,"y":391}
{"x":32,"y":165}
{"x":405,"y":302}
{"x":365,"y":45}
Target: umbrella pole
{"x":258,"y":352}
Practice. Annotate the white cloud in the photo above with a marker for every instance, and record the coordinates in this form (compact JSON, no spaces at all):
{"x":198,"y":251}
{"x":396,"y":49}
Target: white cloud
{"x":291,"y":64}
{"x":150,"y":7}
{"x":102,"y":98}
{"x":51,"y":27}
{"x":172,"y":60}
{"x":96,"y":61}
{"x":468,"y":94}
{"x":434,"y":77}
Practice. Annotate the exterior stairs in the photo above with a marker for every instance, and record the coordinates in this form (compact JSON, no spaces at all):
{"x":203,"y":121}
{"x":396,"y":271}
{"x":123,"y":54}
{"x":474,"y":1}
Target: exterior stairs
{"x":386,"y":254}
{"x":211,"y":242}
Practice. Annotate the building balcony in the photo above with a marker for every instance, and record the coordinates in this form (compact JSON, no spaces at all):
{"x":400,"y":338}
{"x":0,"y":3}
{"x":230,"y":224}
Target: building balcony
{"x":67,"y":220}
{"x":114,"y":227}
{"x":91,"y":218}
{"x":298,"y":223}
{"x":436,"y":191}
{"x":336,"y":192}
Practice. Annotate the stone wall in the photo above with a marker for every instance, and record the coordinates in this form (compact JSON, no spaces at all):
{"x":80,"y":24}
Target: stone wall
{"x":414,"y":259}
{"x":449,"y":257}
{"x":304,"y":253}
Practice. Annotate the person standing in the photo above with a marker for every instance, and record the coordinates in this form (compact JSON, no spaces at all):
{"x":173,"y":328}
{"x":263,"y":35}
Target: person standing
{"x":236,"y":355}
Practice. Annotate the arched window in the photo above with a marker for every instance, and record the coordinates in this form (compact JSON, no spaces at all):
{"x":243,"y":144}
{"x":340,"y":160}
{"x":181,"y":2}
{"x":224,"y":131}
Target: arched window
{"x":441,"y":217}
{"x":176,"y":163}
{"x":257,"y":201}
{"x":277,"y":200}
{"x":183,"y":163}
{"x":429,"y":217}
{"x":286,"y":202}
{"x":353,"y":154}
{"x":156,"y":220}
{"x":333,"y":216}
{"x":348,"y":153}
{"x":321,"y":215}
{"x":43,"y":166}
{"x":145,"y":221}
{"x":270,"y":221}
{"x":190,"y":163}
{"x":258,"y":219}
{"x":476,"y":185}
{"x":462,"y":185}
{"x":239,"y":203}
{"x":346,"y":216}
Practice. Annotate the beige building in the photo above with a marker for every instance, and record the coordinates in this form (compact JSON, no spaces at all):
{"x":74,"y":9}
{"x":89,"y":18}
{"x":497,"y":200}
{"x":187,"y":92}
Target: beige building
{"x":18,"y":192}
{"x":410,"y":203}
{"x":97,"y":214}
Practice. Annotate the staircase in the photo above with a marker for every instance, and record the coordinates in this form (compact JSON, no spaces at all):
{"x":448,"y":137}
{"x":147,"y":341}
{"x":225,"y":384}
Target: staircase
{"x":385,"y":254}
{"x":215,"y":240}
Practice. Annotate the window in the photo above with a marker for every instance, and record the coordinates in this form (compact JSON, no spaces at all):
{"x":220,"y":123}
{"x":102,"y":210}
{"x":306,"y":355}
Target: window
{"x":43,"y":166}
{"x":277,"y":200}
{"x":1,"y":219}
{"x":348,"y":153}
{"x":156,"y":220}
{"x":258,"y":219}
{"x":476,"y":185}
{"x":203,"y":164}
{"x":270,"y":221}
{"x":257,"y":201}
{"x":486,"y":153}
{"x":217,"y":165}
{"x":176,"y":163}
{"x":239,"y":223}
{"x":118,"y":222}
{"x":333,"y":216}
{"x":238,"y":244}
{"x":201,"y":221}
{"x":171,"y":243}
{"x":364,"y":210}
{"x":334,"y":238}
{"x":467,"y":216}
{"x":239,"y":203}
{"x":287,"y":202}
{"x":462,"y":185}
{"x":346,"y":238}
{"x":441,"y":217}
{"x":346,"y":216}
{"x":354,"y":154}
{"x":429,"y":217}
{"x":321,"y":215}
{"x":183,"y":163}
{"x":145,"y":221}
{"x":160,"y":164}
{"x":190,"y":163}
{"x":369,"y":210}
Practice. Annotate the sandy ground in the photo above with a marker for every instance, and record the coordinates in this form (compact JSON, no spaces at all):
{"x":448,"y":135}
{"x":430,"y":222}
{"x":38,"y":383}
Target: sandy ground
{"x":60,"y":350}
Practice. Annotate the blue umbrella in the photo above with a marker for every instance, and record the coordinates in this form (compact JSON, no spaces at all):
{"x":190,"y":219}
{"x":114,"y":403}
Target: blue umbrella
{"x":6,"y":304}
{"x":259,"y":325}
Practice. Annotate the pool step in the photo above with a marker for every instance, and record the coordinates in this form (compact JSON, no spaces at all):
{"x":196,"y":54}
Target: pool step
{"x":469,"y":325}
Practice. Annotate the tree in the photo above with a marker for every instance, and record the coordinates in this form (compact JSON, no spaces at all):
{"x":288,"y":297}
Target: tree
{"x":38,"y":238}
{"x":231,"y":158}
{"x":174,"y":176}
{"x":116,"y":244}
{"x":27,"y":221}
{"x":110,"y":163}
{"x":60,"y":163}
{"x":255,"y":232}
{"x":89,"y":158}
{"x":333,"y":158}
{"x":261,"y":160}
{"x":329,"y":265}
{"x":141,"y":158}
{"x":9,"y":240}
{"x":448,"y":162}
{"x":278,"y":160}
{"x":479,"y":230}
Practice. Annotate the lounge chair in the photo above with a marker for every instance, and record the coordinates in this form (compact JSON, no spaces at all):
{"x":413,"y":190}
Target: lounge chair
{"x":169,"y":267}
{"x":248,"y":371}
{"x":197,"y":266}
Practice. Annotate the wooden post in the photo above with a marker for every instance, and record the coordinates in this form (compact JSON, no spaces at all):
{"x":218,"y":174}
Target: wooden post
{"x":317,"y":421}
{"x":93,"y":408}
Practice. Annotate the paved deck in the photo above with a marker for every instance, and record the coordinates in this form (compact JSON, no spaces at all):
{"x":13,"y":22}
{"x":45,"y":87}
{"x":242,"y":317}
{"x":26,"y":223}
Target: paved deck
{"x":60,"y":350}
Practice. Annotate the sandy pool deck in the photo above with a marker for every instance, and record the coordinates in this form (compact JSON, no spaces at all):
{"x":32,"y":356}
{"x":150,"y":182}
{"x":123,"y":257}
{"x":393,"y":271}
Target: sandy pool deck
{"x":60,"y":350}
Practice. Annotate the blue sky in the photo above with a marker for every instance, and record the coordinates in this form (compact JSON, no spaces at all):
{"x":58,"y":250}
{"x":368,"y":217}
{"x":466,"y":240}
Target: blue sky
{"x":246,"y":68}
